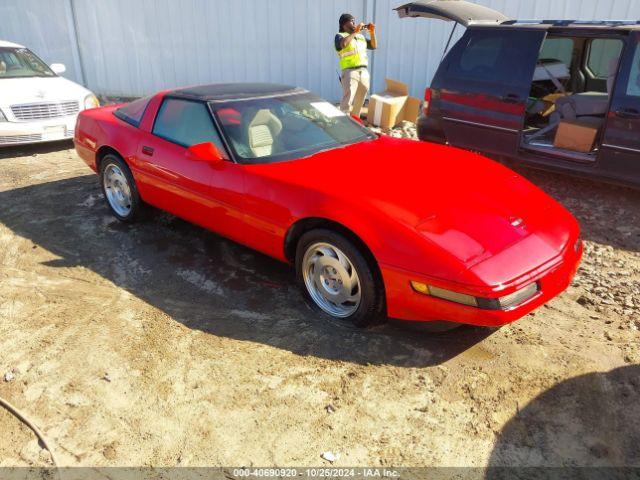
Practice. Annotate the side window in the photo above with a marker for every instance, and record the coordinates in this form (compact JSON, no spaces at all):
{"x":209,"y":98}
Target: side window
{"x":603,"y":56}
{"x":133,"y":112}
{"x":479,"y":59}
{"x":186,"y":123}
{"x":9,"y":58}
{"x":555,"y":48}
{"x":633,"y":84}
{"x":481,"y":55}
{"x":495,"y":56}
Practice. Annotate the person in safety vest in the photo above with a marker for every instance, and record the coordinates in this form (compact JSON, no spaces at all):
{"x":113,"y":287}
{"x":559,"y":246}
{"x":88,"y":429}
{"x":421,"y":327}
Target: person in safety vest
{"x":351,"y":47}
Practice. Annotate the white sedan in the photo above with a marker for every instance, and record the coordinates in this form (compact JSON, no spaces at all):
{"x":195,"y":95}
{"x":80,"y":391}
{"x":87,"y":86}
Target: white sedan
{"x":36,"y":105}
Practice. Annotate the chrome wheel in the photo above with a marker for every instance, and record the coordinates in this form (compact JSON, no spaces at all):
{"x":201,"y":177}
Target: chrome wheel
{"x":117,"y":190}
{"x":331,"y":280}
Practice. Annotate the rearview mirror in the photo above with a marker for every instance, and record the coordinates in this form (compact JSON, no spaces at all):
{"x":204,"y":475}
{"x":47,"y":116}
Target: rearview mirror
{"x":204,"y":152}
{"x":58,"y":68}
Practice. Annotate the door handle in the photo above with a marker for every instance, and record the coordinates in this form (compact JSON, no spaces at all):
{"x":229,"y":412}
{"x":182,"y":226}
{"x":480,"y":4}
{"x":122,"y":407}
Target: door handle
{"x":511,"y":98}
{"x":628,"y":113}
{"x":147,"y":151}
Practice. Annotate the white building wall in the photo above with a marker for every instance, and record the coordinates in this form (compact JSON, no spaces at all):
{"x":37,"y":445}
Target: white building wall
{"x":46,"y":27}
{"x":140,"y":47}
{"x":130,"y":48}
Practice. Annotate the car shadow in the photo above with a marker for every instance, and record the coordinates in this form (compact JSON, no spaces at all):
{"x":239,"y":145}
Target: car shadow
{"x":591,"y":421}
{"x":207,"y":282}
{"x":17,"y":151}
{"x":608,"y":214}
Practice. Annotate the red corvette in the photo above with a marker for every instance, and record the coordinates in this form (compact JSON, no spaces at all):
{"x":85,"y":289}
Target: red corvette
{"x":375,"y":226}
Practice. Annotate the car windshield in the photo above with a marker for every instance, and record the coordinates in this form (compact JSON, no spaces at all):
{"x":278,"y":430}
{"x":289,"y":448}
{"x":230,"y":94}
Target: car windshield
{"x":274,"y":129}
{"x":20,"y":62}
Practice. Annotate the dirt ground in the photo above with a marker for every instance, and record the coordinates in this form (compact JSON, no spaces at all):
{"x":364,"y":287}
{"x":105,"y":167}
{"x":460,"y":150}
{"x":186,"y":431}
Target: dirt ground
{"x":163,"y":344}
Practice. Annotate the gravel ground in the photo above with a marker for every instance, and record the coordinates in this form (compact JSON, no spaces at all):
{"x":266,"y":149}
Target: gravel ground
{"x":163,"y":344}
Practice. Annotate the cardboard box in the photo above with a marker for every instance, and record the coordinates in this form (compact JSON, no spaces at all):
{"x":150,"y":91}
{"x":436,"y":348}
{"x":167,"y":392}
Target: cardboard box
{"x":389,"y":108}
{"x":576,"y":136}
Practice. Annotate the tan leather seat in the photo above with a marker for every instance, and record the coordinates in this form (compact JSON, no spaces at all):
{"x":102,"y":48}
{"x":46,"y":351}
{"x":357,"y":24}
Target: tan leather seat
{"x":585,"y":104}
{"x":263,"y":130}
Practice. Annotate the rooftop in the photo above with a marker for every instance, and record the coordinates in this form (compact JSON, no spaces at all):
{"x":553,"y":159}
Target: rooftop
{"x":234,"y":91}
{"x":4,"y":43}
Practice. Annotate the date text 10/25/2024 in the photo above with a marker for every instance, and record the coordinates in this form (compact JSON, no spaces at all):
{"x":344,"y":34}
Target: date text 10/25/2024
{"x":320,"y":472}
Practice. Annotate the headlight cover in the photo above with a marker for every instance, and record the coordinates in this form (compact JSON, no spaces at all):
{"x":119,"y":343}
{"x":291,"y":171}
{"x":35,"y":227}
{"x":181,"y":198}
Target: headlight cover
{"x":91,"y":101}
{"x":2,"y":117}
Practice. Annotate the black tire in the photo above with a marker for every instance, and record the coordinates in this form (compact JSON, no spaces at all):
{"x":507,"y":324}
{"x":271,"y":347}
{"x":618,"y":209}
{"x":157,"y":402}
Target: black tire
{"x":371,"y":309}
{"x":136,"y":205}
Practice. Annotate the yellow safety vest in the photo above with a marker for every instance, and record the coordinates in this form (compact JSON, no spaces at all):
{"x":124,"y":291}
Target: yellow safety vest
{"x":355,"y":53}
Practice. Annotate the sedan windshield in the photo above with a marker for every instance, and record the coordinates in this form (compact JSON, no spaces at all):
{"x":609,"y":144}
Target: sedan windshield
{"x":20,"y":63}
{"x":273,"y":129}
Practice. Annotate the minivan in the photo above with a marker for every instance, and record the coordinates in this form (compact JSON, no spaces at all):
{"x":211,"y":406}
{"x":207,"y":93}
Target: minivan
{"x":507,"y":86}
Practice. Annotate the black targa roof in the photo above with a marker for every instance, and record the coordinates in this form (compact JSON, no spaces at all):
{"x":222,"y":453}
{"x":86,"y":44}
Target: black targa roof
{"x":234,"y":91}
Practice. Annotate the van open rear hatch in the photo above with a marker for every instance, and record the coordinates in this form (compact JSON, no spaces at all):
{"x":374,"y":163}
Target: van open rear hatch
{"x":459,"y":11}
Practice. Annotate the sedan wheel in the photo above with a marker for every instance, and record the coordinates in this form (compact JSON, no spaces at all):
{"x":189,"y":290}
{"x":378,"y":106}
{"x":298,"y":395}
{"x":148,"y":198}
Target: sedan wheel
{"x":331,"y":280}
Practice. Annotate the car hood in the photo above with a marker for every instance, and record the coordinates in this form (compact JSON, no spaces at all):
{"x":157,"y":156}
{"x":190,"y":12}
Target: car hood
{"x":39,"y":89}
{"x":469,"y":206}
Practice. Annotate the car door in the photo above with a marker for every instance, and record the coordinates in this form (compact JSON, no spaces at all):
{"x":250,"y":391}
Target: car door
{"x":620,"y":150}
{"x":201,"y":192}
{"x":482,"y":87}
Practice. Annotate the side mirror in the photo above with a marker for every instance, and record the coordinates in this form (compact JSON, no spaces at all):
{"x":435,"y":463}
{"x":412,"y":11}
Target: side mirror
{"x":357,"y":119}
{"x":58,"y":68}
{"x":204,"y":152}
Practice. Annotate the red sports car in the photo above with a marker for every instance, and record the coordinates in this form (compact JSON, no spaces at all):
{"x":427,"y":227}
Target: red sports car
{"x":375,"y":226}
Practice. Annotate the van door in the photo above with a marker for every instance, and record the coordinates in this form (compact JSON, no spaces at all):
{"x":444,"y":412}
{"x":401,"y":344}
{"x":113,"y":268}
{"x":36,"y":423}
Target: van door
{"x":620,"y":150}
{"x":482,"y":87}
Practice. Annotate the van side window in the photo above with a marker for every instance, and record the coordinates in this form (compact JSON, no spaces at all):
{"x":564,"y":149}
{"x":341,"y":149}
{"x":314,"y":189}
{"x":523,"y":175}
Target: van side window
{"x":604,"y":54}
{"x":557,"y":48}
{"x":633,"y":85}
{"x":495,"y":56}
{"x":481,"y":55}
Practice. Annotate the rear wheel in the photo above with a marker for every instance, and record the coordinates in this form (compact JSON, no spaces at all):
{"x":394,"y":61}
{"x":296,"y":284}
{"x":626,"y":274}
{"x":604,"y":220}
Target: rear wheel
{"x":337,"y":278}
{"x":119,"y":189}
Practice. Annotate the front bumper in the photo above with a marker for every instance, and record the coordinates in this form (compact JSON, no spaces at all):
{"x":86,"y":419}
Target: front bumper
{"x":404,"y":303}
{"x":49,"y":130}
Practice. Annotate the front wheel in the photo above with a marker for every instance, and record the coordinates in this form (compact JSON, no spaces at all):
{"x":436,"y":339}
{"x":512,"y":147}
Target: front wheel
{"x":119,"y":189}
{"x":338,"y":279}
